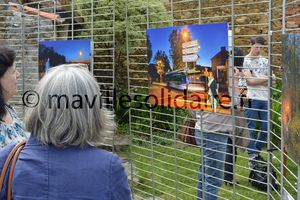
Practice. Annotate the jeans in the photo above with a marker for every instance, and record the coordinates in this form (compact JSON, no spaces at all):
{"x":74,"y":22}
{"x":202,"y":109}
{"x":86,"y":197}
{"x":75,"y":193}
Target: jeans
{"x":255,"y":146}
{"x":214,"y":150}
{"x":228,"y":173}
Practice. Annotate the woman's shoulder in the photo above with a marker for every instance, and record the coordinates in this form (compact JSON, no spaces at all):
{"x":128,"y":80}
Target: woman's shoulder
{"x":4,"y":153}
{"x":15,"y":115}
{"x":12,"y":133}
{"x":96,"y":153}
{"x":101,"y":151}
{"x":6,"y":150}
{"x":11,"y":108}
{"x":111,"y":158}
{"x":13,"y":112}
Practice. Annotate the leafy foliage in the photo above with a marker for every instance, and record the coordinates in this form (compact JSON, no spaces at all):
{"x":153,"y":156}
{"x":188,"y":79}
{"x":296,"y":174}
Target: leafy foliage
{"x":175,"y":51}
{"x":103,"y":30}
{"x":149,"y":50}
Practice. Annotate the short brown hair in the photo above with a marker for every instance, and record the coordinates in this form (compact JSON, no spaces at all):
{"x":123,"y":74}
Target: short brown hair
{"x":259,"y":40}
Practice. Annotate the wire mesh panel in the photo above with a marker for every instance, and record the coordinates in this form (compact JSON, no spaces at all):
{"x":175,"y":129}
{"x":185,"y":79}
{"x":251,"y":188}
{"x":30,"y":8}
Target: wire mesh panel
{"x":29,"y":24}
{"x":163,"y":165}
{"x":283,"y":21}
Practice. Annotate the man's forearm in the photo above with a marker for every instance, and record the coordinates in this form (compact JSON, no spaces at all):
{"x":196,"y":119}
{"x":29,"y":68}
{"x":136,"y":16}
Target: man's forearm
{"x":251,"y":81}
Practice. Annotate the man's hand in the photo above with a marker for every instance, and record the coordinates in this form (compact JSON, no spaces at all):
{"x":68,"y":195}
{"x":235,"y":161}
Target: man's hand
{"x":236,"y":71}
{"x":273,"y":79}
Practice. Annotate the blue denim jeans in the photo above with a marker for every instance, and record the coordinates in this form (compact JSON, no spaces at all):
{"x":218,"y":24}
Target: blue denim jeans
{"x":253,"y":115}
{"x":214,"y":150}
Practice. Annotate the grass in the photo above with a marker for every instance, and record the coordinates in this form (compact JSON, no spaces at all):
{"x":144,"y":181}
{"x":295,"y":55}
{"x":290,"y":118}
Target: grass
{"x":169,"y":171}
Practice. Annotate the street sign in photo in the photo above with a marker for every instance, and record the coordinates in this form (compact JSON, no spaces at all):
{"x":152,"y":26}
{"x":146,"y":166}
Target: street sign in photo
{"x":190,"y":44}
{"x":190,"y":58}
{"x":191,"y":50}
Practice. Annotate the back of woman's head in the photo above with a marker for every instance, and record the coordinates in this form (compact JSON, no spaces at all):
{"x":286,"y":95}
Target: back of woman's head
{"x":69,"y":112}
{"x":7,"y":59}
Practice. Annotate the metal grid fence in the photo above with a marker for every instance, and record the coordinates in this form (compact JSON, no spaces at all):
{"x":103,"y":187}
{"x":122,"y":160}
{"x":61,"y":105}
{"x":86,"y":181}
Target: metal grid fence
{"x":164,"y":167}
{"x":91,"y":20}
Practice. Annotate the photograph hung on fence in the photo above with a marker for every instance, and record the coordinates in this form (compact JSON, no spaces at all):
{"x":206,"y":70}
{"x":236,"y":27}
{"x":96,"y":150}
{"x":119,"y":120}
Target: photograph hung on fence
{"x":291,"y":95}
{"x":54,"y":53}
{"x":188,"y":67}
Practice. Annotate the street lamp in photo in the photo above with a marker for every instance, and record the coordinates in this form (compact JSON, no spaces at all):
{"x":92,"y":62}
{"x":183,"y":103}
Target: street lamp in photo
{"x":185,"y":35}
{"x":160,"y":68}
{"x":80,"y":53}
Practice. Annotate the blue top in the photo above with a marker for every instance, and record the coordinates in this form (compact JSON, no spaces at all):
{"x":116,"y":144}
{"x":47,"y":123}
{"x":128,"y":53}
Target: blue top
{"x":12,"y":133}
{"x":44,"y":172}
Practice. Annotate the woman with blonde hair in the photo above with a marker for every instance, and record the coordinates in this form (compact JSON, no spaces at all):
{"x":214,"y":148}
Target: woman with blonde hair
{"x":61,"y":159}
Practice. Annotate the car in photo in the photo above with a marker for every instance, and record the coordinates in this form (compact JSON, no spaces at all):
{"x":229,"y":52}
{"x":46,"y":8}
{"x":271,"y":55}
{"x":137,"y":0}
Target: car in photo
{"x":178,"y":80}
